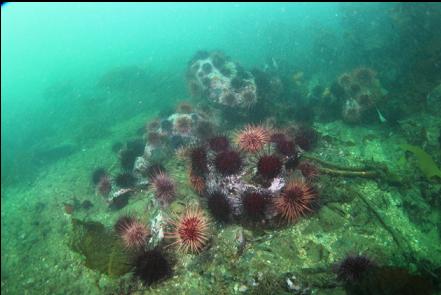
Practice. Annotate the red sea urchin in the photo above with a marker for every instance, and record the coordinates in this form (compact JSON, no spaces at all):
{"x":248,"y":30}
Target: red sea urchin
{"x":255,"y":204}
{"x":295,"y":200}
{"x":133,"y":232}
{"x":154,"y":138}
{"x":152,"y":170}
{"x":104,"y":186}
{"x":364,"y":76}
{"x":184,"y":108}
{"x":277,"y":137}
{"x":197,"y":182}
{"x":309,"y":170}
{"x":198,"y":156}
{"x":286,"y":147}
{"x":305,"y":137}
{"x":183,"y":124}
{"x":153,"y":125}
{"x":191,"y":230}
{"x":204,"y":129}
{"x":164,"y":188}
{"x":228,"y":162}
{"x":252,"y":138}
{"x":219,"y":143}
{"x":269,"y":166}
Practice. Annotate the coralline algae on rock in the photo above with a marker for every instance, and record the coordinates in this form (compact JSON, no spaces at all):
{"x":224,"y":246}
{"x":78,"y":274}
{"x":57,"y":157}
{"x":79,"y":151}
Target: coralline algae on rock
{"x":212,"y":75}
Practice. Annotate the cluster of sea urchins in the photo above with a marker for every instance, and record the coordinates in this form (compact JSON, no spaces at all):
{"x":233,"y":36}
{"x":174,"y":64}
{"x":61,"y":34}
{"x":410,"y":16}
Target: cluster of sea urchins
{"x":256,"y":177}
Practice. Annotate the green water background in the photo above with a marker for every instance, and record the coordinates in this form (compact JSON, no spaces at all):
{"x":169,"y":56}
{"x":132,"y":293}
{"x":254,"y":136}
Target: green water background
{"x":55,"y":57}
{"x":54,"y":54}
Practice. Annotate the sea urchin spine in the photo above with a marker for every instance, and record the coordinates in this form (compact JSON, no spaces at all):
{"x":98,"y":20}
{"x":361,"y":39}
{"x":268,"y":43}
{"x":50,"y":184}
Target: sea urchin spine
{"x":198,"y":158}
{"x":133,"y":232}
{"x":269,"y":166}
{"x":191,"y":231}
{"x":197,"y":182}
{"x":219,"y":206}
{"x":219,"y":143}
{"x":152,"y":266}
{"x":295,"y":200}
{"x":164,"y":188}
{"x":352,"y":268}
{"x":252,"y":138}
{"x":228,"y":162}
{"x":308,"y":169}
{"x":255,"y":204}
{"x":104,"y":186}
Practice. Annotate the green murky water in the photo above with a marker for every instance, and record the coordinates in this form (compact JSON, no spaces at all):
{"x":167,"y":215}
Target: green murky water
{"x":221,"y":148}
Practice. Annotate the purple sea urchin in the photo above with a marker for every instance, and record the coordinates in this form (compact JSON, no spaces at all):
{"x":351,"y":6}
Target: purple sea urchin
{"x":125,"y":180}
{"x":228,"y":162}
{"x":152,"y":266}
{"x":286,"y":147}
{"x":269,"y":166}
{"x":218,"y":205}
{"x":255,"y":204}
{"x":198,"y":158}
{"x":219,"y":143}
{"x":164,"y":188}
{"x":352,"y":268}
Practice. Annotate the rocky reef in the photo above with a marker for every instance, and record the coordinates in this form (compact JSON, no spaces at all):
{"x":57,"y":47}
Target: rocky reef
{"x":222,"y":201}
{"x":222,"y":81}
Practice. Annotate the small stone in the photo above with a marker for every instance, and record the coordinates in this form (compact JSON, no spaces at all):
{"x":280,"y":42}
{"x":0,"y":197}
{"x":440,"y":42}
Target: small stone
{"x":236,"y":287}
{"x":30,"y":281}
{"x":243,"y":288}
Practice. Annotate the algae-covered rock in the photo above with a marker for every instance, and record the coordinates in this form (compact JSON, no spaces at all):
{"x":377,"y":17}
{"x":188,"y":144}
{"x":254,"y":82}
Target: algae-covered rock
{"x":425,"y":161}
{"x":269,"y":284}
{"x":316,"y":252}
{"x":330,"y":220}
{"x":101,"y":247}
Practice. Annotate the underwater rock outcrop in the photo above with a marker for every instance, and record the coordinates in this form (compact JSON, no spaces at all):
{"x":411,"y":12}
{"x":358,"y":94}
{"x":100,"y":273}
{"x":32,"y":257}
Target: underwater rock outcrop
{"x":169,"y":134}
{"x":360,"y":92}
{"x":222,"y":81}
